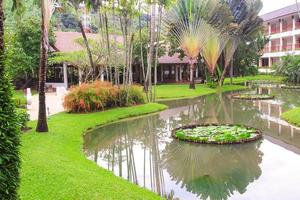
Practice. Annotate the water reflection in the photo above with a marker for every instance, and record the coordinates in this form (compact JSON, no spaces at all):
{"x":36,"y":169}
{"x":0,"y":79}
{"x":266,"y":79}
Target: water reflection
{"x":212,"y":172}
{"x":142,"y":151}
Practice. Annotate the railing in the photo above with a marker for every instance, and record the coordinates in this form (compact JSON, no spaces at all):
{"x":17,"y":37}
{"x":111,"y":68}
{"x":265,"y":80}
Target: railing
{"x":297,"y":46}
{"x":287,"y":47}
{"x":266,"y":50}
{"x":275,"y":30}
{"x":287,"y":27}
{"x":275,"y":48}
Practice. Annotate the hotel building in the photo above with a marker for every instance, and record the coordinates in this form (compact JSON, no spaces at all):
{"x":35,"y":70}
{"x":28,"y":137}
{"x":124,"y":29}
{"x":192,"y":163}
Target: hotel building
{"x":282,"y":27}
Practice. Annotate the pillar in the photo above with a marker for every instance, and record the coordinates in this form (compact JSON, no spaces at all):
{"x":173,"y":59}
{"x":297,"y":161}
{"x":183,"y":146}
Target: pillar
{"x":180,"y":73}
{"x":294,"y":22}
{"x":65,"y":71}
{"x":197,"y":71}
{"x":260,"y":62}
{"x":162,"y":73}
{"x":294,"y":42}
{"x":269,"y":26}
{"x":281,"y":44}
{"x":270,"y":62}
{"x":280,"y":25}
{"x":176,"y":73}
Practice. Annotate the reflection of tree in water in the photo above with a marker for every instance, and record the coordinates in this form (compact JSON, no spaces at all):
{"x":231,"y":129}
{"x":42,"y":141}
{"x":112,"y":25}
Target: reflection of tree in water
{"x":289,"y":97}
{"x":115,"y":145}
{"x":213,"y":172}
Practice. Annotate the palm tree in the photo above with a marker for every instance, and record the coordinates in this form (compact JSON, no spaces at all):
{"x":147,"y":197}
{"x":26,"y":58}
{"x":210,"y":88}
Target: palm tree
{"x":184,"y":22}
{"x":10,"y":132}
{"x":248,"y":24}
{"x":47,"y":9}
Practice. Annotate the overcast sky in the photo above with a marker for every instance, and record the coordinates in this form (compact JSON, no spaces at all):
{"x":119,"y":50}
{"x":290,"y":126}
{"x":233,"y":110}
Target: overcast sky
{"x":271,"y":5}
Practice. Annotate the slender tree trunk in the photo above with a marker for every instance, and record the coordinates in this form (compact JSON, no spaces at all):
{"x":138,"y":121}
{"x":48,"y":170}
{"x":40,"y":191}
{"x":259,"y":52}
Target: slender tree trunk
{"x":223,"y":76}
{"x":42,"y":125}
{"x":192,"y":80}
{"x":141,"y":53}
{"x":151,"y":47}
{"x":156,"y":50}
{"x":87,"y":47}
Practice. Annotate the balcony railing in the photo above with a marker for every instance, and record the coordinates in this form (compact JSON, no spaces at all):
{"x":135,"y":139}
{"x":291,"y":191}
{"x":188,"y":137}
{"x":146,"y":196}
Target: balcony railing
{"x":275,"y":48}
{"x":297,"y":46}
{"x":275,"y":30}
{"x":287,"y":27}
{"x":287,"y":47}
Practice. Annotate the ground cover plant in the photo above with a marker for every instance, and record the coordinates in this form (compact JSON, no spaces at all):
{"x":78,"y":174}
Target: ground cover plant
{"x":217,"y":134}
{"x":292,"y":116}
{"x":97,"y":96}
{"x":247,"y":96}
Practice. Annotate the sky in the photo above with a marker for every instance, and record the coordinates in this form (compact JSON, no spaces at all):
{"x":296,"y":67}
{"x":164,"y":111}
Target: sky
{"x":271,"y":5}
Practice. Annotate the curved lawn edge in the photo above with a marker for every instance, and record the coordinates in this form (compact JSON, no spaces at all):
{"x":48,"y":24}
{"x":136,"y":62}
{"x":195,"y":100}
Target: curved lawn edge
{"x":55,"y":167}
{"x":292,"y":116}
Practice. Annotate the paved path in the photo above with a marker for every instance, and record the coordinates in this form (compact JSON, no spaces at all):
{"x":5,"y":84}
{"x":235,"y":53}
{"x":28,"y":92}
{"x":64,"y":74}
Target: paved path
{"x":53,"y":102}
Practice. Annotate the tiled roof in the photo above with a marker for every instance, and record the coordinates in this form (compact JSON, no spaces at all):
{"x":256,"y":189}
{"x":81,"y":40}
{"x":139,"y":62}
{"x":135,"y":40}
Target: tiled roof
{"x":65,"y":42}
{"x":166,"y":59}
{"x":280,"y":12}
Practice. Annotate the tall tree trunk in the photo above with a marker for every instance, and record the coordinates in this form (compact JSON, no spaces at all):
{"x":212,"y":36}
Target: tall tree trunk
{"x":87,"y":48}
{"x":157,"y":49}
{"x":151,"y":47}
{"x":42,"y":125}
{"x":192,"y":80}
{"x":223,"y":76}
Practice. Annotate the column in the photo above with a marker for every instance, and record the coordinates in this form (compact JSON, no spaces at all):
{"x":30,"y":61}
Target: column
{"x":294,"y":22}
{"x":269,"y":25}
{"x":65,"y":71}
{"x":281,"y":44}
{"x":162,"y":73}
{"x":197,"y":71}
{"x":180,"y":73}
{"x":280,"y":25}
{"x":176,"y":73}
{"x":270,"y":62}
{"x":294,"y":42}
{"x":270,"y":46}
{"x":260,"y":62}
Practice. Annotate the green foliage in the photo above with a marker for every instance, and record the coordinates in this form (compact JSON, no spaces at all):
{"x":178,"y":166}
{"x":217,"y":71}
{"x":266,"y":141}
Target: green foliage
{"x":9,"y":140}
{"x":19,"y":99}
{"x":22,"y":117}
{"x":55,"y":167}
{"x":289,"y":67}
{"x":101,"y":95}
{"x":216,"y":134}
{"x":247,"y":55}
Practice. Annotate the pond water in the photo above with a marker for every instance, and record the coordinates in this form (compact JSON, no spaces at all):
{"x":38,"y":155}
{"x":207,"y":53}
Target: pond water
{"x":142,"y":150}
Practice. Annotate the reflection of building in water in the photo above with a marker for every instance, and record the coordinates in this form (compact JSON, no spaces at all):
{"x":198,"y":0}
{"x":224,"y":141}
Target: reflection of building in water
{"x":276,"y":127}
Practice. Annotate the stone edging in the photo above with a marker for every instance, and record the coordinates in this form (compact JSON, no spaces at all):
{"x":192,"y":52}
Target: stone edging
{"x":243,"y":141}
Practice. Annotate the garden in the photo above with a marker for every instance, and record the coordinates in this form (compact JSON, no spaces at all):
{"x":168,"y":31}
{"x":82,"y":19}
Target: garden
{"x":155,"y":100}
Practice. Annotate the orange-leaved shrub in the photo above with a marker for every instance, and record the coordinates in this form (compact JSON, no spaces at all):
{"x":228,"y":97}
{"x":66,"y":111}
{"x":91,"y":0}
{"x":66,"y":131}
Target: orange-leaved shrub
{"x":98,"y":95}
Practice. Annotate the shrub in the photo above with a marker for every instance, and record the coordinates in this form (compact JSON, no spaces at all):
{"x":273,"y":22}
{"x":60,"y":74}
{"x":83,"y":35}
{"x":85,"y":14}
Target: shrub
{"x":9,"y":141}
{"x":99,"y":95}
{"x":135,"y":96}
{"x":289,"y":67}
{"x":22,"y":117}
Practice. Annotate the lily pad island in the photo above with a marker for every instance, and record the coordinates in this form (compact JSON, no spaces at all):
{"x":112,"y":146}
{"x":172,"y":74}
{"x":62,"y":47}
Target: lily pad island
{"x":253,"y":96}
{"x":217,"y":134}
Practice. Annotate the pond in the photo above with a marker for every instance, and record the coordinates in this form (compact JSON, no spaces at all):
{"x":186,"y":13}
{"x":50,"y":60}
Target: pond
{"x":142,"y":150}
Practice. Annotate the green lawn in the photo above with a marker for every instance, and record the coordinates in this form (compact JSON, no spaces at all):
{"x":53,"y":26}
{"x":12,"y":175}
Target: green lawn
{"x":55,"y":167}
{"x":255,"y":78}
{"x":181,"y":91}
{"x":292,"y":116}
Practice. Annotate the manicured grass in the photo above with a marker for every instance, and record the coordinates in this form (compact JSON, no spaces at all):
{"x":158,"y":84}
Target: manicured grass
{"x":55,"y":167}
{"x":292,"y":116}
{"x":255,"y":78}
{"x":181,"y":91}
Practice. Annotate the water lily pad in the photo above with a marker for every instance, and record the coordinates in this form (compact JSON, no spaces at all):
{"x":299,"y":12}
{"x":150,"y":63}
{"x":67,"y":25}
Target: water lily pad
{"x":217,"y":134}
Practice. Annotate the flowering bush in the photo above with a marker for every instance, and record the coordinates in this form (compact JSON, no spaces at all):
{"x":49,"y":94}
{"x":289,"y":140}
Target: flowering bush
{"x":99,"y":95}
